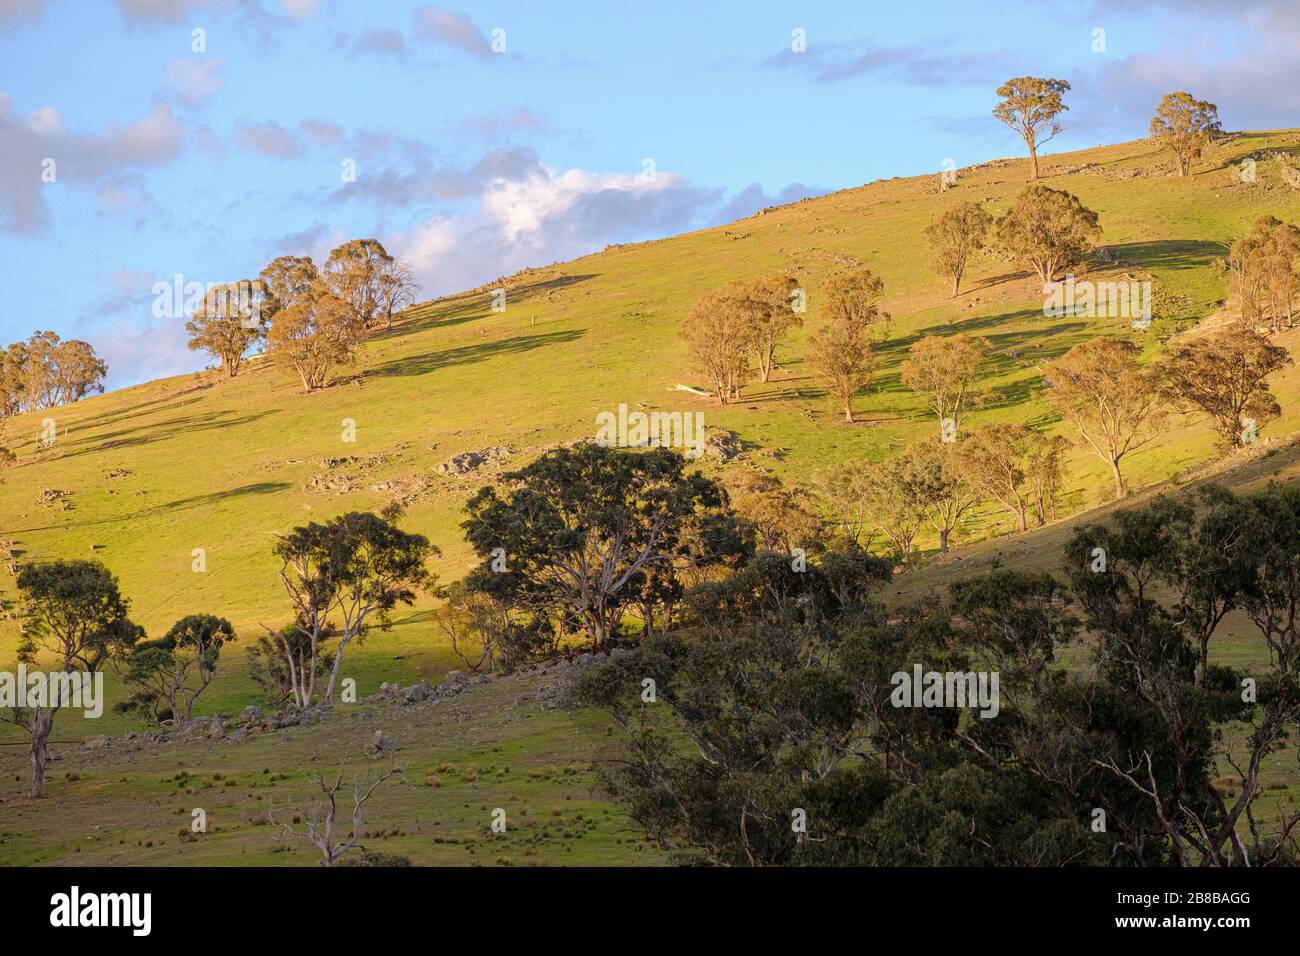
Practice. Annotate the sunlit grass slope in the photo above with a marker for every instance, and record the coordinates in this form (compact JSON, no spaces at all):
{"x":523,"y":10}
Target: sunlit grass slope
{"x":156,"y":471}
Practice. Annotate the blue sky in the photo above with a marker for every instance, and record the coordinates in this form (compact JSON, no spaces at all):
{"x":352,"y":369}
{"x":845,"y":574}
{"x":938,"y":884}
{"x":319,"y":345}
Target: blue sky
{"x":472,"y":162}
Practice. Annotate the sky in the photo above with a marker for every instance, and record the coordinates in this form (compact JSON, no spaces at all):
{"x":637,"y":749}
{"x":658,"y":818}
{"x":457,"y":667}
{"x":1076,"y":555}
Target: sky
{"x":146,"y":140}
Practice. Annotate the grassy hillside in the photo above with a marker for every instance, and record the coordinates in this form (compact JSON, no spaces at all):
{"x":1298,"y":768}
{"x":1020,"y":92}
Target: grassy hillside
{"x":153,"y":472}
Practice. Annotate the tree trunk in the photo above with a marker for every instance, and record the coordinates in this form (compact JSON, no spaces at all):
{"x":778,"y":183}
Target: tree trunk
{"x":943,"y":540}
{"x":1033,"y":161}
{"x":41,"y":727}
{"x":599,"y":633}
{"x":848,"y":411}
{"x":1120,"y":490}
{"x":1021,"y":523}
{"x":956,"y":283}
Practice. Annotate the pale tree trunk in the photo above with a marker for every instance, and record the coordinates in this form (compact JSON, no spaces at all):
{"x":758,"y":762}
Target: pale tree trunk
{"x":1033,"y":160}
{"x":1120,"y":490}
{"x":599,"y":632}
{"x":42,"y":724}
{"x":943,"y":540}
{"x":848,"y":410}
{"x":338,"y":663}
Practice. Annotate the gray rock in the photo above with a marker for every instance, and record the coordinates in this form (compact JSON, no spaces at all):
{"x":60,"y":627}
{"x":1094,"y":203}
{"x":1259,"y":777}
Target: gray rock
{"x":97,"y":743}
{"x":469,"y":461}
{"x":456,"y":677}
{"x":251,"y":713}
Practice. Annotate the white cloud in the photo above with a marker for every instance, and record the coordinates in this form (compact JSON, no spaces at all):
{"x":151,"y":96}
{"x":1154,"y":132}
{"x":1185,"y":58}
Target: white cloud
{"x":455,"y":30}
{"x":525,"y":206}
{"x":29,"y":144}
{"x":542,"y":215}
{"x":193,"y":81}
{"x":268,"y":138}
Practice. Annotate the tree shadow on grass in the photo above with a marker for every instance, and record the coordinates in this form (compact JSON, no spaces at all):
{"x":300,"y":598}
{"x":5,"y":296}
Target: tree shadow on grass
{"x":895,"y":349}
{"x":171,"y":507}
{"x":467,"y":307}
{"x":1169,"y":254}
{"x":138,"y":410}
{"x":469,"y":354}
{"x":147,"y":434}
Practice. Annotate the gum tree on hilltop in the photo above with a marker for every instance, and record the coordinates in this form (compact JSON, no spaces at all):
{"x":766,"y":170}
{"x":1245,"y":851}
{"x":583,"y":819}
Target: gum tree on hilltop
{"x":286,"y":280}
{"x":311,"y":330}
{"x":314,"y":333}
{"x":397,"y":288}
{"x":1048,"y":229}
{"x":1224,"y":376}
{"x":575,"y":534}
{"x":73,"y":612}
{"x":1184,"y":125}
{"x":46,"y":371}
{"x":1030,"y":105}
{"x":1099,"y":388}
{"x":227,"y":324}
{"x":358,"y":273}
{"x":842,"y":351}
{"x":957,"y":237}
{"x":344,"y":577}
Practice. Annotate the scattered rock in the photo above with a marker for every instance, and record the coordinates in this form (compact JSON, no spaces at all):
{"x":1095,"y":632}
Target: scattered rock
{"x":339,"y":484}
{"x":251,"y":712}
{"x":50,"y":497}
{"x":416,"y":692}
{"x":468,"y":461}
{"x":723,"y":445}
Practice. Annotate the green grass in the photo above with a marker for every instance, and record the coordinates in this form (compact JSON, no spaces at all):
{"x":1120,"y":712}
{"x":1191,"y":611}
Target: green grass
{"x":224,"y":465}
{"x":486,"y":749}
